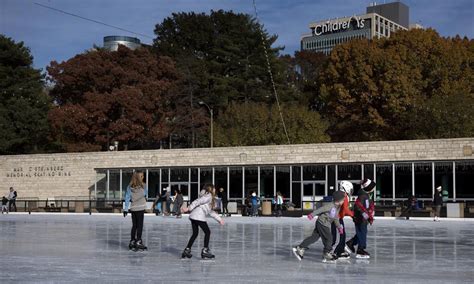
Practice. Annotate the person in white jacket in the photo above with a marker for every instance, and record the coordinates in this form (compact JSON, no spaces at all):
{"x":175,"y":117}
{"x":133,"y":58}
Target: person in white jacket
{"x":200,"y":209}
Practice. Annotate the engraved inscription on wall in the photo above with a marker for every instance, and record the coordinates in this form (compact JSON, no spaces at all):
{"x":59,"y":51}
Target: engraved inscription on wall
{"x":38,"y":171}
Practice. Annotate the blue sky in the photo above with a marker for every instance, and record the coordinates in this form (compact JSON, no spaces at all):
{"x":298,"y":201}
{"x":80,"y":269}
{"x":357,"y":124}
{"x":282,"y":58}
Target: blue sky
{"x":54,"y":36}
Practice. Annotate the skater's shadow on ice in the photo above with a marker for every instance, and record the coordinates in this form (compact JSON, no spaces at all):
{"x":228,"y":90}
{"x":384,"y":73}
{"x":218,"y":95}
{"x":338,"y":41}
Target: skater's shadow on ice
{"x":172,"y":251}
{"x":287,"y":254}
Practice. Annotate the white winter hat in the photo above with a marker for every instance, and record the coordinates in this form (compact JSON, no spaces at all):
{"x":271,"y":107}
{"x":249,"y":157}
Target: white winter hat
{"x":439,"y":187}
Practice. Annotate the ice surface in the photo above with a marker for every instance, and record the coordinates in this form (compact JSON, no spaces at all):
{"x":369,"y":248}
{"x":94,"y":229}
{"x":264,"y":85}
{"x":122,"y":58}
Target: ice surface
{"x":72,"y":248}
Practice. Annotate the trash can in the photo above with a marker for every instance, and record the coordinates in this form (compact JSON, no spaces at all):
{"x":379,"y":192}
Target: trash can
{"x":455,"y":210}
{"x":266,"y":208}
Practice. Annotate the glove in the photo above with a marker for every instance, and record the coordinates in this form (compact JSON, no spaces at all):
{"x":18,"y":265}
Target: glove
{"x":340,"y":230}
{"x":125,"y":213}
{"x":365,"y":215}
{"x":310,"y":216}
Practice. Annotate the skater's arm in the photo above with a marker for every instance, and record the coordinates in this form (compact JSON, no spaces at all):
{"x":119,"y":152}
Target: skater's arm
{"x":322,"y":209}
{"x":127,"y":198}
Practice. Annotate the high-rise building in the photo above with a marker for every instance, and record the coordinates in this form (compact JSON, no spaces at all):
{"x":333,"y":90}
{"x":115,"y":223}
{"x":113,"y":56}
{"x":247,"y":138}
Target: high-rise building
{"x":112,"y":42}
{"x":378,"y":21}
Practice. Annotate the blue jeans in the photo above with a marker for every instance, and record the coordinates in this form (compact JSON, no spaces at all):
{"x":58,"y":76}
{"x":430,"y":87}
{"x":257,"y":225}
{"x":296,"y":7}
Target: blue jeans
{"x":254,"y":209}
{"x":360,"y":239}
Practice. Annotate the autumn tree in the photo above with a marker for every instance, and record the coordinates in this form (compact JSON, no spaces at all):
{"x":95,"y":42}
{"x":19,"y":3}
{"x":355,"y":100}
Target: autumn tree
{"x":248,"y":124}
{"x":392,"y":88}
{"x":23,"y":102}
{"x":104,"y":96}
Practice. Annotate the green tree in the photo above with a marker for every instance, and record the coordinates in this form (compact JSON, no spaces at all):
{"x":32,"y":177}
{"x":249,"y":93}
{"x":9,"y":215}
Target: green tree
{"x":222,"y":60}
{"x":102,"y":96}
{"x":248,"y":124}
{"x":23,"y":102}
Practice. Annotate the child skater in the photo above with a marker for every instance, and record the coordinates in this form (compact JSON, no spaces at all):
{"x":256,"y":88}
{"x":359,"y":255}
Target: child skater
{"x":4,"y":204}
{"x":200,"y":209}
{"x":328,"y":213}
{"x":347,"y":188}
{"x":136,"y":194}
{"x":363,"y":214}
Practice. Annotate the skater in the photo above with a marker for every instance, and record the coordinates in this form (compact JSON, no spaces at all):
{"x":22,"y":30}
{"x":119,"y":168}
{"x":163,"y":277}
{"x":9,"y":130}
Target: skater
{"x":12,"y":200}
{"x":328,"y":214}
{"x":224,"y":202}
{"x":254,"y":201}
{"x":363,"y":215}
{"x":4,"y":205}
{"x":178,"y":203}
{"x":136,"y":194}
{"x":200,"y":209}
{"x":279,"y":204}
{"x":347,"y":188}
{"x":438,"y":202}
{"x":157,"y":204}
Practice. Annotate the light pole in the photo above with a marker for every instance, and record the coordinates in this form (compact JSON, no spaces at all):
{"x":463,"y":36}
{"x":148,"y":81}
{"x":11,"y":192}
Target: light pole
{"x":212,"y":118}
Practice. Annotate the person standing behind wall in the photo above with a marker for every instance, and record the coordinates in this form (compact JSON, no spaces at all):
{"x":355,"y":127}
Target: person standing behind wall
{"x":438,"y":202}
{"x":12,"y":200}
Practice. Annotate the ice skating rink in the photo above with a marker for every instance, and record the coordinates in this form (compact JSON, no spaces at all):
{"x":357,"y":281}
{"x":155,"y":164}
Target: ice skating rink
{"x":94,"y":249}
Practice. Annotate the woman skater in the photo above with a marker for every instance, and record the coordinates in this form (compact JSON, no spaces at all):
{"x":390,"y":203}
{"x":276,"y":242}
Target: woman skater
{"x":136,"y":195}
{"x":200,"y":209}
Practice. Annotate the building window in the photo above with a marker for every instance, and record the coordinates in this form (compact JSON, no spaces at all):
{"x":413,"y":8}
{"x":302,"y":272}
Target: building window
{"x":444,"y":177}
{"x":283,"y":181}
{"x":251,"y":180}
{"x":154,"y":189}
{"x":220,"y":178}
{"x":465,"y":179}
{"x":423,"y":180}
{"x":205,"y":176}
{"x":180,"y":175}
{"x":314,"y":172}
{"x":235,"y":178}
{"x":403,"y":179}
{"x":267,"y":181}
{"x":384,"y":180}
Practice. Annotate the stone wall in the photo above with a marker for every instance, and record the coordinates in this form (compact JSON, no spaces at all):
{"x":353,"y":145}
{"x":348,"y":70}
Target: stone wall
{"x":73,"y":174}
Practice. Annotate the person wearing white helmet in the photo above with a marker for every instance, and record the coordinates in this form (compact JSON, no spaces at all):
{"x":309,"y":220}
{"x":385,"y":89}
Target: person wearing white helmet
{"x":348,"y":189}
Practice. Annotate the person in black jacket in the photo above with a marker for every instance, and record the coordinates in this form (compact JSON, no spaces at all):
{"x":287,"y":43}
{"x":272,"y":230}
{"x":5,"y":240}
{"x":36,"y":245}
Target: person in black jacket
{"x":223,"y":196}
{"x":438,"y":202}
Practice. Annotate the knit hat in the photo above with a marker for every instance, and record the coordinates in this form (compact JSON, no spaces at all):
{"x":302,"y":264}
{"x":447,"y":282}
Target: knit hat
{"x":338,"y":196}
{"x":367,"y":185}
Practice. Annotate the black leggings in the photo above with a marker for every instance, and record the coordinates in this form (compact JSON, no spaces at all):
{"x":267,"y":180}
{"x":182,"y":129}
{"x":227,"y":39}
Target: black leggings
{"x":137,"y":224}
{"x":204,"y":227}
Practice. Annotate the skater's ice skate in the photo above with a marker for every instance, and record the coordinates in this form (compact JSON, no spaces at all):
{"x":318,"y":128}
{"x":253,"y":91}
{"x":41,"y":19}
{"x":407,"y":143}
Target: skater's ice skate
{"x":131,"y":245}
{"x":343,"y":255}
{"x":206,"y":254}
{"x":329,"y":257}
{"x":349,"y":248}
{"x":139,"y":246}
{"x":361,"y":253}
{"x":298,"y":252}
{"x":186,"y":253}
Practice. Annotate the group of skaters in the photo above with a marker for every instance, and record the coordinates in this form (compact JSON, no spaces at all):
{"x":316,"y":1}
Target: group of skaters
{"x":253,"y":203}
{"x":330,"y":222}
{"x":9,"y":201}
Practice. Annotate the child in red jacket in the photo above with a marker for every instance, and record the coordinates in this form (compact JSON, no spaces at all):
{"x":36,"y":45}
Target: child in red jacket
{"x":339,"y":251}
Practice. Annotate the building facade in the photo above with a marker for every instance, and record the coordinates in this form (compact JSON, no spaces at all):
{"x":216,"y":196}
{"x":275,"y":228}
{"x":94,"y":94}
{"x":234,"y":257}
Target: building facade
{"x":379,"y":21}
{"x":112,"y":43}
{"x":300,"y":172}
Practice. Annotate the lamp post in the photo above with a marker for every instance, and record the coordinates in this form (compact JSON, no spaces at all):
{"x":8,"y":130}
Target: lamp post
{"x":212,"y":118}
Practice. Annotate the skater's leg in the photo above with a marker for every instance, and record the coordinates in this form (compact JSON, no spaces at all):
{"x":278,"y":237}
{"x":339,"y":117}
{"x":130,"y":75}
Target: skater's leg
{"x":195,"y":233}
{"x":326,"y":237}
{"x":140,"y":217}
{"x":334,"y":233}
{"x":311,"y":239}
{"x":207,"y":232}
{"x":134,"y":226}
{"x":342,"y":240}
{"x":438,"y":211}
{"x":362,"y":236}
{"x":226,"y":211}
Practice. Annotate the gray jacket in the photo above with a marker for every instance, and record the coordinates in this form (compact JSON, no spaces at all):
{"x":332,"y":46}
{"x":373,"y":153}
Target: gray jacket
{"x":328,"y":212}
{"x":201,"y":207}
